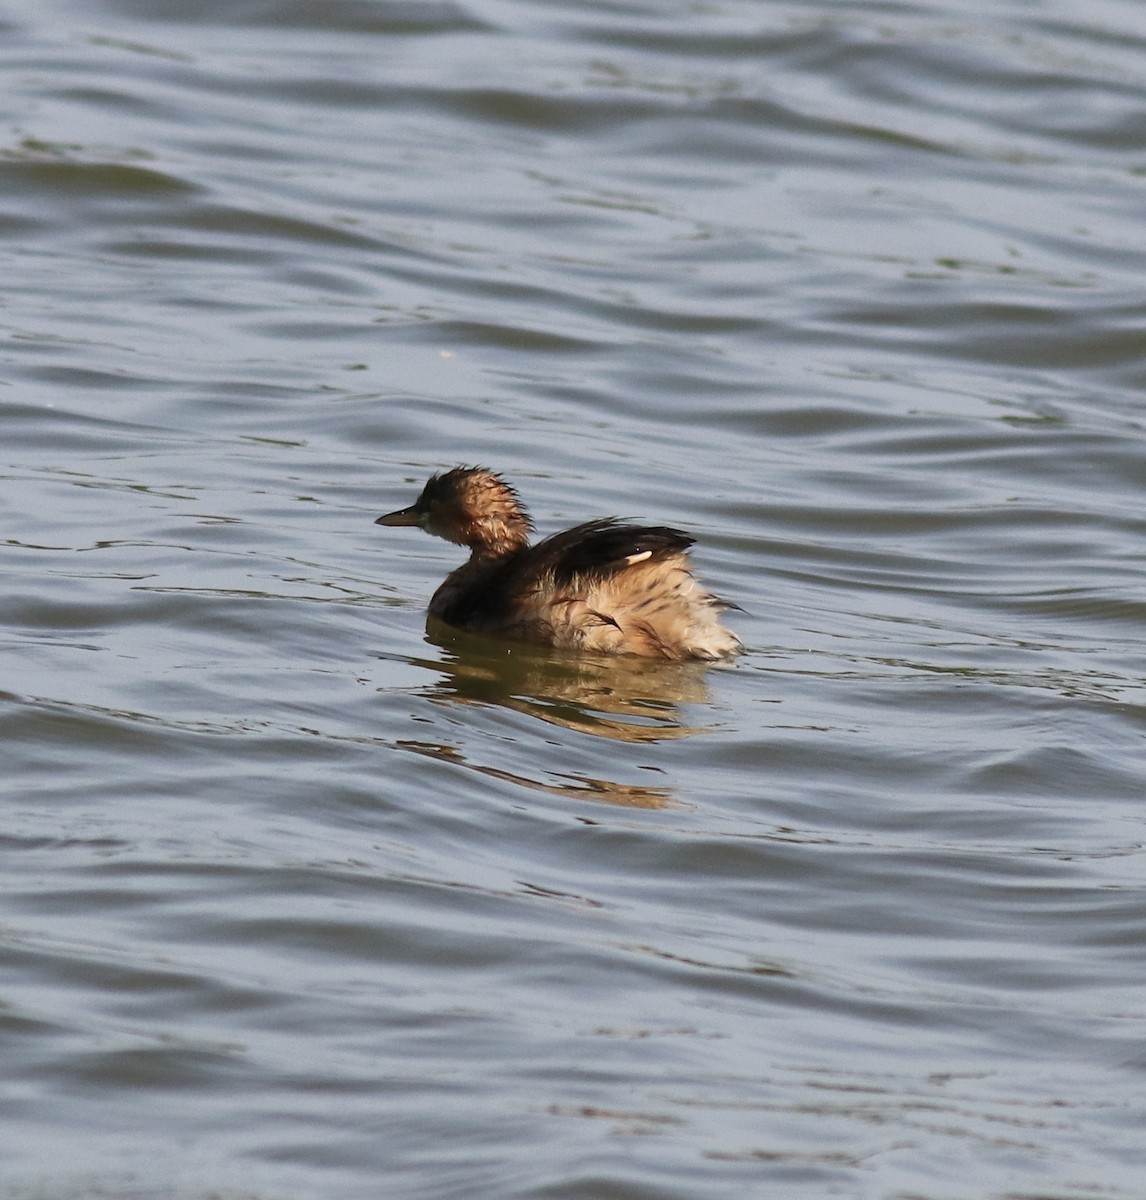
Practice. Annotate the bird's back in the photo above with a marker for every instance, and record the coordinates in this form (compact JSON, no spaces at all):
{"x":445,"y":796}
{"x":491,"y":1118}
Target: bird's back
{"x":602,"y":586}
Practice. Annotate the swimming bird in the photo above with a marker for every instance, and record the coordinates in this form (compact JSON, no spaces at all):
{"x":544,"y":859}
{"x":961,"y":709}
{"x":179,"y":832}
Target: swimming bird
{"x":605,"y":586}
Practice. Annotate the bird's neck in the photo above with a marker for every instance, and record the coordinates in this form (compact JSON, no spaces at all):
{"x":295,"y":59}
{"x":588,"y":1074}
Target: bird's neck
{"x":495,"y":538}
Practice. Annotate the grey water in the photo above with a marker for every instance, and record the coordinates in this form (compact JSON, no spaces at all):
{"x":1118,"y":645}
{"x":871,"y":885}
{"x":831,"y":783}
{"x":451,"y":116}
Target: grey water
{"x":298,"y":902}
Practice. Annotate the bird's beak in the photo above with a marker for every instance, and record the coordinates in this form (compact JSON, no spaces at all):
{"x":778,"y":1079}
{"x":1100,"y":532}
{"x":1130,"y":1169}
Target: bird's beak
{"x":404,"y":516}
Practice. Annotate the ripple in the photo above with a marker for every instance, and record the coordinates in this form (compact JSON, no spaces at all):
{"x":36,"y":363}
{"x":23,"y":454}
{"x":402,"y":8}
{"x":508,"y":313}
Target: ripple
{"x":851,"y":295}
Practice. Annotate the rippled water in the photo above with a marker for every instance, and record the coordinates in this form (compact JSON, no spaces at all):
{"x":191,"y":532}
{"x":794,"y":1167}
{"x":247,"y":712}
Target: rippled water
{"x":300,"y":902}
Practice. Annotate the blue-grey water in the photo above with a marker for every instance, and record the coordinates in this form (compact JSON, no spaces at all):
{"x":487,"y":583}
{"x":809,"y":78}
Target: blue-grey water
{"x":298,"y":903}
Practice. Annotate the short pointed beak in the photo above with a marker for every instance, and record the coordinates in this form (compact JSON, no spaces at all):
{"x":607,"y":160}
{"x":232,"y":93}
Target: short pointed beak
{"x":404,"y":516}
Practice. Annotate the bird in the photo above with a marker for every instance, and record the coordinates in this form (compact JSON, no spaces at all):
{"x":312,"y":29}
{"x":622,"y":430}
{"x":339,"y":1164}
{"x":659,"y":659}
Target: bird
{"x":603,"y":587}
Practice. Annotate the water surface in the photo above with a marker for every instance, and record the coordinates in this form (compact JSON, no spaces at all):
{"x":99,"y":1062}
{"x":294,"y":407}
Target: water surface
{"x":299,"y":901}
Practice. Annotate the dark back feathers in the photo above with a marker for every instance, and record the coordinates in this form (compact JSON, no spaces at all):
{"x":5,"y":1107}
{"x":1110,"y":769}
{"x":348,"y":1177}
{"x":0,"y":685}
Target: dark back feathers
{"x":603,"y":547}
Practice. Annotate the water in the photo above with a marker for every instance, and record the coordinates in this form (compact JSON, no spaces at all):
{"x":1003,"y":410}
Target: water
{"x":299,"y":902}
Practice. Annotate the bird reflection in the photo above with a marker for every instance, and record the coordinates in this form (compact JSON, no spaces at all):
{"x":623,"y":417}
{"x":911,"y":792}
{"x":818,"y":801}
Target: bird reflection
{"x":568,"y":787}
{"x":625,"y":699}
{"x":622,"y":699}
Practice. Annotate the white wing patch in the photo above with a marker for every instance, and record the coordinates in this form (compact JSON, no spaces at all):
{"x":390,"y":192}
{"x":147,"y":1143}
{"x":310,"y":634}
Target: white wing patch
{"x":640,"y":557}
